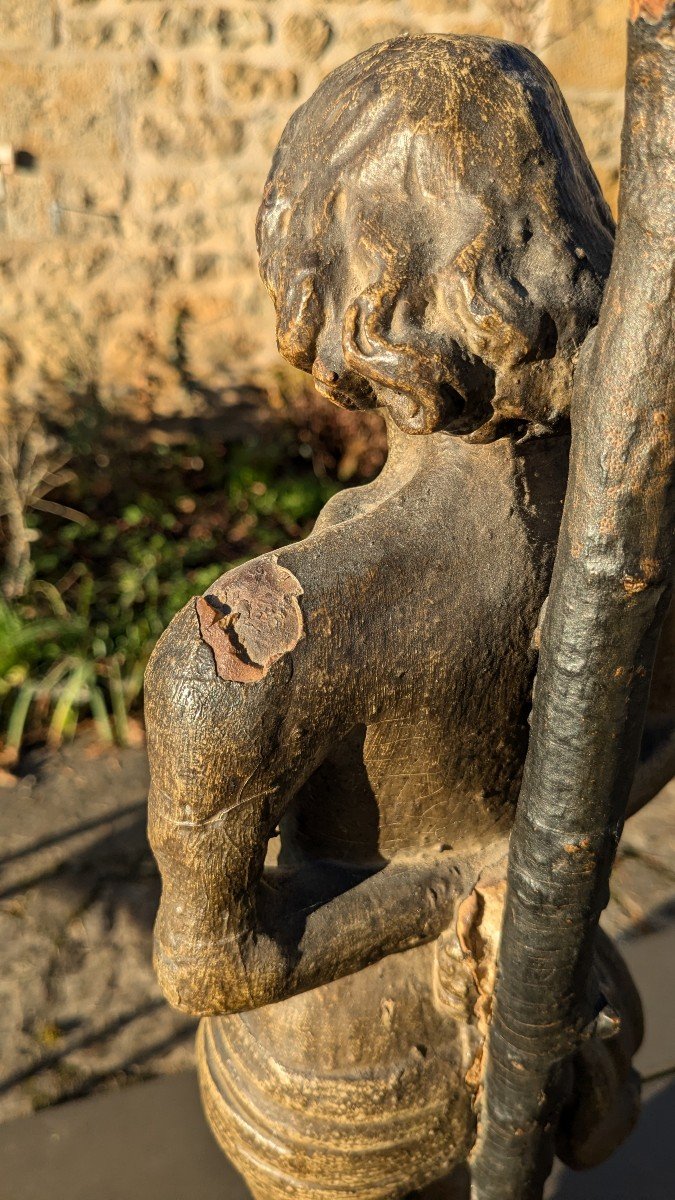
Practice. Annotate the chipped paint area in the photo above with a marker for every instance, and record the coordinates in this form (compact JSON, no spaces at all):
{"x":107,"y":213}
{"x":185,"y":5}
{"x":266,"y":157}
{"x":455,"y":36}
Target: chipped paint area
{"x":250,"y":618}
{"x":479,"y":924}
{"x":466,"y":966}
{"x":649,"y":10}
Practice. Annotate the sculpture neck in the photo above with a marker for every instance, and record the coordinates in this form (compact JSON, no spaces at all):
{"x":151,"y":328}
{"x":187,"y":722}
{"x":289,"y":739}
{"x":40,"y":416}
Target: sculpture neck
{"x":433,"y":459}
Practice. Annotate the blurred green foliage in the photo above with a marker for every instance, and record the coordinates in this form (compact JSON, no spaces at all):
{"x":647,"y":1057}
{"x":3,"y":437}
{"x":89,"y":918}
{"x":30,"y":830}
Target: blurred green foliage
{"x":121,"y":546}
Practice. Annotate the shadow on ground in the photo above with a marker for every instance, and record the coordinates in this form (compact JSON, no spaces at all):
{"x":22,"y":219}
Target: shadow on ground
{"x":79,"y":1007}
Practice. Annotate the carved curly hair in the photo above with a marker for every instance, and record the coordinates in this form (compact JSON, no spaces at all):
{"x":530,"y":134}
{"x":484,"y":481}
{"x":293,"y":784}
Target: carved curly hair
{"x":434,"y":238}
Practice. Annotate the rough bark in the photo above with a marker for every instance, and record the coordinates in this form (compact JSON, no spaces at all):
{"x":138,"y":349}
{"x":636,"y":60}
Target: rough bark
{"x":609,"y":594}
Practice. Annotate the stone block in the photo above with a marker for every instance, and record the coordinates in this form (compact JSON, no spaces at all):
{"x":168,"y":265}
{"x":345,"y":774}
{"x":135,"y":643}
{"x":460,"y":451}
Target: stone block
{"x":586,"y":44}
{"x":442,"y":10}
{"x":53,"y":108}
{"x":27,"y":25}
{"x":241,"y":29}
{"x":224,"y":326}
{"x":88,"y":204}
{"x":199,"y":92}
{"x":180,"y":27}
{"x":204,"y":266}
{"x":246,"y":83}
{"x":162,"y":191}
{"x":217,"y":336}
{"x":41,"y":313}
{"x":183,"y":26}
{"x":237,"y":235}
{"x":30,"y":214}
{"x":165,"y":134}
{"x":209,"y":209}
{"x":182,"y":228}
{"x":524,"y":21}
{"x":470,"y":24}
{"x":306,"y":34}
{"x":363,"y":34}
{"x":96,"y":32}
{"x":133,"y":372}
{"x":165,"y":78}
{"x":103,"y":191}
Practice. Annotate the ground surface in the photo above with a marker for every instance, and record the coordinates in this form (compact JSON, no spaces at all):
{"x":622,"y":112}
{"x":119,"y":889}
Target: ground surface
{"x":152,"y":1140}
{"x":79,"y":1009}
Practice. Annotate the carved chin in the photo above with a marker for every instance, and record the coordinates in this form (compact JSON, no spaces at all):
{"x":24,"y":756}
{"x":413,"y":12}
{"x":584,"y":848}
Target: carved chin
{"x":334,"y":395}
{"x":359,"y":394}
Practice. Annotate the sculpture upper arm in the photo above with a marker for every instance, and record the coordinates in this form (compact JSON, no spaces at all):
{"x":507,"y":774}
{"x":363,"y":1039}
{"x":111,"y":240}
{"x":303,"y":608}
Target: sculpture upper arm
{"x":222,"y":769}
{"x":229,"y":743}
{"x":215,"y":762}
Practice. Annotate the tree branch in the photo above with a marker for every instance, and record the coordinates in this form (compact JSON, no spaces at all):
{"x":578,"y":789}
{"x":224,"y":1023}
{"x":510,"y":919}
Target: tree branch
{"x":609,"y":595}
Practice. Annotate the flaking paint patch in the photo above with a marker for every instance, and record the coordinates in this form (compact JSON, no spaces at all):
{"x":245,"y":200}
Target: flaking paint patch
{"x":633,"y":585}
{"x":250,"y":618}
{"x":478,"y":923}
{"x":649,"y":10}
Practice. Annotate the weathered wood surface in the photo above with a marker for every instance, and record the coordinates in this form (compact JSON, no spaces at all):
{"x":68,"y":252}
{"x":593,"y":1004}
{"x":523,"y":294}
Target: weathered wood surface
{"x":437,"y":246}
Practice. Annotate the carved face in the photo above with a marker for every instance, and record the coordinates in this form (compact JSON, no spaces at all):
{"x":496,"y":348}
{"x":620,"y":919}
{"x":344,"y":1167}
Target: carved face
{"x":434,"y":238}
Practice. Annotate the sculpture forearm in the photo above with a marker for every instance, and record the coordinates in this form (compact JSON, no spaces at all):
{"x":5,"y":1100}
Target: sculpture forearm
{"x":217,"y":954}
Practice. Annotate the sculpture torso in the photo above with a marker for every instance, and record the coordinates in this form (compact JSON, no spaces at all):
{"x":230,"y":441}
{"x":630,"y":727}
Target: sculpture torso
{"x":417,"y":654}
{"x":429,"y":585}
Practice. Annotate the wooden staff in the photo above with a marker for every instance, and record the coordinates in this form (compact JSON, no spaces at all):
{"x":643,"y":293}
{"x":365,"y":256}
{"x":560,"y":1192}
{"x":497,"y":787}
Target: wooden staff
{"x":609,"y":594}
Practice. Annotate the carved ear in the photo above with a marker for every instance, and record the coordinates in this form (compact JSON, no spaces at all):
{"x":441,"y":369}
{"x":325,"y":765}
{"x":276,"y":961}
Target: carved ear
{"x":413,"y":382}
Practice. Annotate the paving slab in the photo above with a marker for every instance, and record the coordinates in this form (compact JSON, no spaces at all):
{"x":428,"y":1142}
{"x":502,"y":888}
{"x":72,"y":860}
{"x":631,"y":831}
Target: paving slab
{"x":642,"y":1169}
{"x":150,"y":1141}
{"x":144,"y":1142}
{"x":652,"y":963}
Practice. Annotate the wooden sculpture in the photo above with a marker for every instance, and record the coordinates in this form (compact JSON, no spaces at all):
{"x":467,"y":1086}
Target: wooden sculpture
{"x":436,"y":244}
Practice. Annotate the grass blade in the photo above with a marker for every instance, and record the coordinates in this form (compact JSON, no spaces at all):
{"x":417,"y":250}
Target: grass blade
{"x":66,"y":706}
{"x":99,"y":712}
{"x":19,"y":716}
{"x":119,"y":702}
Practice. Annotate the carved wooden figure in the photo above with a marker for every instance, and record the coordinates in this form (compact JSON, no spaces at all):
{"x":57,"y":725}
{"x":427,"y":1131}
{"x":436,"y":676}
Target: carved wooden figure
{"x":436,"y":244}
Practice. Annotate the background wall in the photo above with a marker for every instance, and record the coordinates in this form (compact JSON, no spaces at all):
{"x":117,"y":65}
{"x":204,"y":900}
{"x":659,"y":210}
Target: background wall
{"x":141,"y":134}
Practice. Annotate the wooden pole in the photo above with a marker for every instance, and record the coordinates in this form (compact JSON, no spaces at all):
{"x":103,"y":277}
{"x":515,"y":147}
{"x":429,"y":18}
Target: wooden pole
{"x":609,"y":594}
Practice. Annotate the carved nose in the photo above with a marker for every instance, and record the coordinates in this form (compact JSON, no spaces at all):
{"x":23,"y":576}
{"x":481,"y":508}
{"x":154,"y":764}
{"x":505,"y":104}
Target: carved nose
{"x":324,"y":374}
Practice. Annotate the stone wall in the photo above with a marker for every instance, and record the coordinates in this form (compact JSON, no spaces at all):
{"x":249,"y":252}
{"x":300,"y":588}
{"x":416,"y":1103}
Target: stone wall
{"x":141,"y":133}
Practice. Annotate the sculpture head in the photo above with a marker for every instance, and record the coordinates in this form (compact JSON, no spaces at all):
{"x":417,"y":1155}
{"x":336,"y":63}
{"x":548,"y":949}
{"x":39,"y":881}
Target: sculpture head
{"x":434,"y":238}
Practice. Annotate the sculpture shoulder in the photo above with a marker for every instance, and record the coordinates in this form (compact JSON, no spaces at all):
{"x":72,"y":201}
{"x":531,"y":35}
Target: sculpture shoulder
{"x":236,"y":687}
{"x":212,"y":666}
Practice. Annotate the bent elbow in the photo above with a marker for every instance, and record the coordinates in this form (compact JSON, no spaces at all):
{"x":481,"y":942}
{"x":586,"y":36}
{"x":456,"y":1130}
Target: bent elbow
{"x":201,"y":986}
